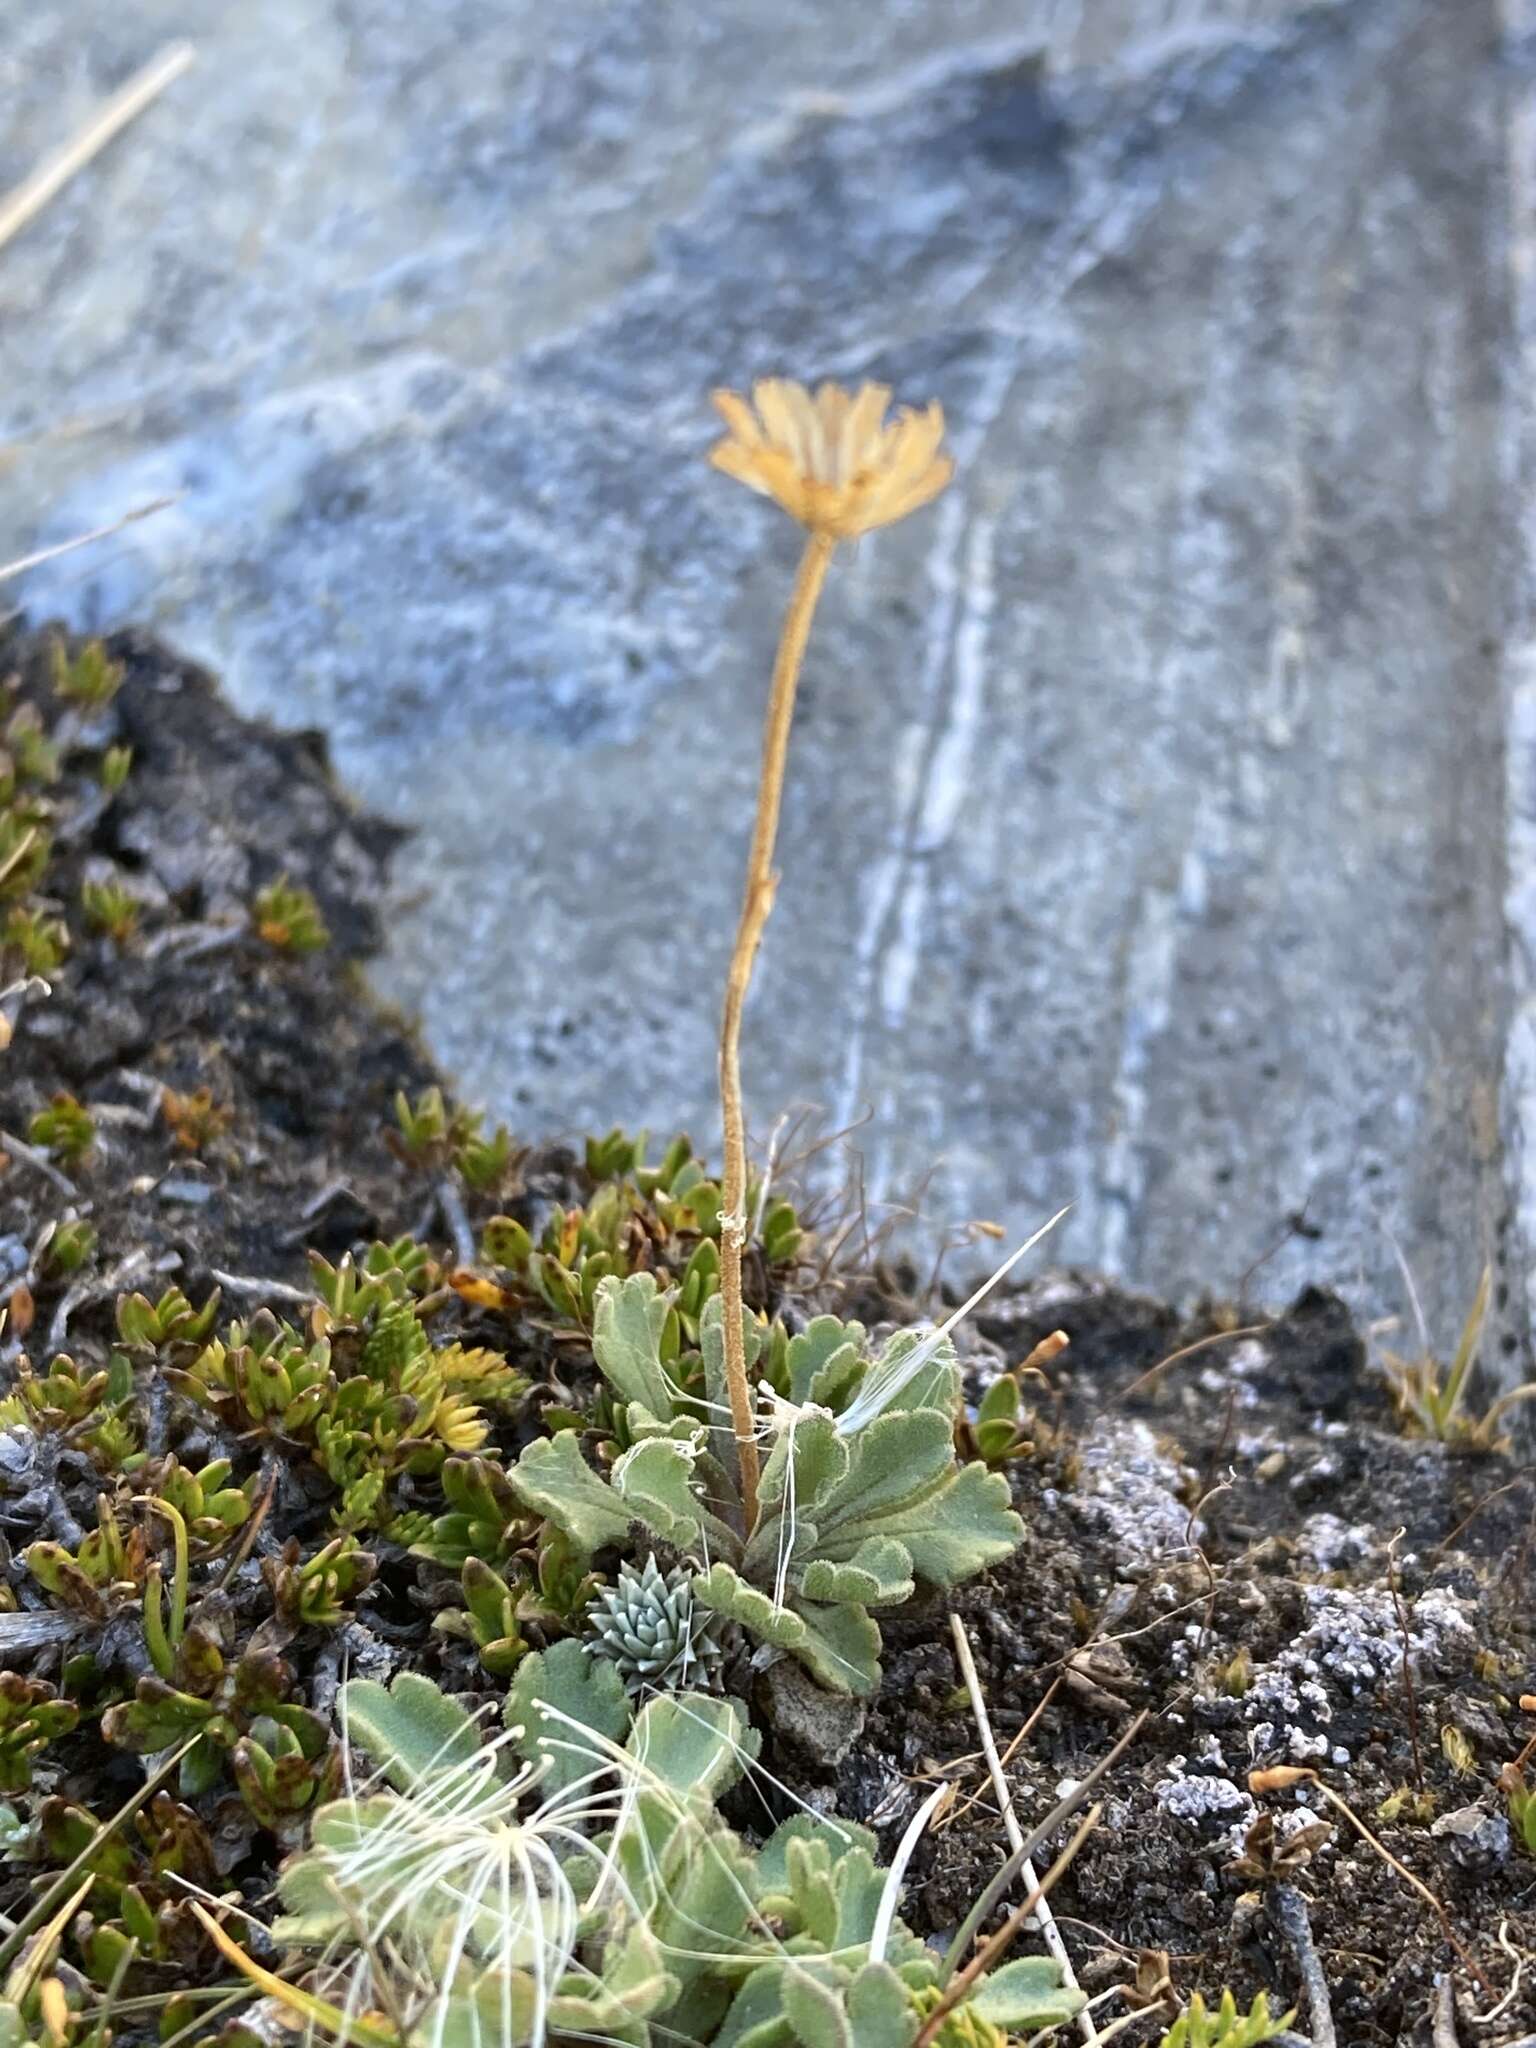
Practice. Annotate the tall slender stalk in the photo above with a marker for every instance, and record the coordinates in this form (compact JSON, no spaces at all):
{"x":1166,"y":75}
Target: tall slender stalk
{"x":835,"y":463}
{"x":757,"y":902}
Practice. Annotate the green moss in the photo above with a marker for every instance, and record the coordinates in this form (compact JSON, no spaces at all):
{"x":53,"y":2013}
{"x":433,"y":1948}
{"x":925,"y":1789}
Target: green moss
{"x":287,"y":918}
{"x":65,"y":1129}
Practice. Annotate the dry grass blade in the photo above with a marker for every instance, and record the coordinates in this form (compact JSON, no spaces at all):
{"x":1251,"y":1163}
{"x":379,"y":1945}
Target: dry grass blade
{"x":993,"y":1950}
{"x":35,"y":560}
{"x":26,"y":1973}
{"x":1188,"y":1351}
{"x":60,"y":1889}
{"x":316,"y":2011}
{"x":1059,"y":1814}
{"x":1049,"y":1931}
{"x":26,"y":201}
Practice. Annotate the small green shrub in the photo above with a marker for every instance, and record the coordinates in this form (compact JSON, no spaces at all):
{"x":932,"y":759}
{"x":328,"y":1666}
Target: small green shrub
{"x":31,"y":1716}
{"x":1430,"y":1398}
{"x":34,"y":942}
{"x":65,"y":1129}
{"x":89,"y":679}
{"x":288,"y":919}
{"x":361,"y":1385}
{"x":110,"y":908}
{"x":1226,"y":2027}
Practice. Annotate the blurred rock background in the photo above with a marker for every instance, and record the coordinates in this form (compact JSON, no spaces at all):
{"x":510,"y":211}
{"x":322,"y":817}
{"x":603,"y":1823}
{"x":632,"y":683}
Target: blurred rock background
{"x":1162,"y":810}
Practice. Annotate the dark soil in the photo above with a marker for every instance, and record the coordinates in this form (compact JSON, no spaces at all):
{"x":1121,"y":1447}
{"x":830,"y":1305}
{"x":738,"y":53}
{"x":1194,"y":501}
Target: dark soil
{"x":1217,"y":1547}
{"x":307,"y":1065}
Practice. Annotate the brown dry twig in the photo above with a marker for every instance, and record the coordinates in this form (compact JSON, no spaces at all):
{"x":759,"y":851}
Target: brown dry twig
{"x":964,"y":1981}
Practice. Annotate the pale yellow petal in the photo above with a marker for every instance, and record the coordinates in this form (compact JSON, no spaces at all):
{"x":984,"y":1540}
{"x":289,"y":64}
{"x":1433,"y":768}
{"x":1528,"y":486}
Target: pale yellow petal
{"x":738,"y":416}
{"x":914,"y":441}
{"x":815,"y":451}
{"x":917,"y":491}
{"x":831,"y":458}
{"x":863,"y":432}
{"x":771,"y":397}
{"x":807,"y":429}
{"x":831,"y":406}
{"x":784,"y":480}
{"x":741,"y":463}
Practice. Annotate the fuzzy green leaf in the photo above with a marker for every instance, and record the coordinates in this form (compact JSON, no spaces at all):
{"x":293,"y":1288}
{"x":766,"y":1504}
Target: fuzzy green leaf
{"x":729,"y":1594}
{"x":879,"y":1574}
{"x":568,"y":1681}
{"x":879,"y":2009}
{"x":841,"y":1648}
{"x":1027,"y":1993}
{"x":833,"y":1893}
{"x":696,"y":1881}
{"x":814,"y":2011}
{"x":756,"y":2018}
{"x":553,"y":1479}
{"x":627,"y":1321}
{"x":500,"y":2006}
{"x":838,"y":1836}
{"x":825,"y":1360}
{"x":935,"y":1383}
{"x":821,"y":1464}
{"x":635,"y":1976}
{"x":693,"y":1742}
{"x":896,"y":1461}
{"x":952,"y":1534}
{"x":412,"y":1730}
{"x":315,"y":1910}
{"x":655,"y":1481}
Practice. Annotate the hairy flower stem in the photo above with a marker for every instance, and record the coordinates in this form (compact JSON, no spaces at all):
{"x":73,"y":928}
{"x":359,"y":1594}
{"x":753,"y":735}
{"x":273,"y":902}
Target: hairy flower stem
{"x":757,"y":902}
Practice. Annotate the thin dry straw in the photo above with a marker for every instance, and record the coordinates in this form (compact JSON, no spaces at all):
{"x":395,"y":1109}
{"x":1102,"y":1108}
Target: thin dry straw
{"x":26,"y":201}
{"x":84,"y":540}
{"x":881,"y":1387}
{"x":1046,"y":1919}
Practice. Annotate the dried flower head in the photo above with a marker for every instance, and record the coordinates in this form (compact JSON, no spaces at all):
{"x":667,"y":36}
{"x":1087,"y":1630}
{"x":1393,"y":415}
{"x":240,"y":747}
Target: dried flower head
{"x":833,"y":460}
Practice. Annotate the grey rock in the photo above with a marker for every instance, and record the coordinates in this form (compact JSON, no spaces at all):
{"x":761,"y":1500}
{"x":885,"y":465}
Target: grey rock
{"x":1479,"y":1841}
{"x":816,"y":1727}
{"x":1162,"y":802}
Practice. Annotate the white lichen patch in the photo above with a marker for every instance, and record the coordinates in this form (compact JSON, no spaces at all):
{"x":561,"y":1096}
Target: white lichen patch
{"x":1218,"y":1810}
{"x":1350,"y":1646}
{"x":1354,"y":1637}
{"x":1233,"y":1373}
{"x":1128,"y":1490}
{"x":1326,"y":1543}
{"x":1288,"y":1710}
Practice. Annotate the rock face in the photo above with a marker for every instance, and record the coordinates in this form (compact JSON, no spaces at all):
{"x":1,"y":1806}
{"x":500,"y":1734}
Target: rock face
{"x":1157,"y":796}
